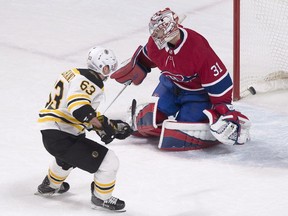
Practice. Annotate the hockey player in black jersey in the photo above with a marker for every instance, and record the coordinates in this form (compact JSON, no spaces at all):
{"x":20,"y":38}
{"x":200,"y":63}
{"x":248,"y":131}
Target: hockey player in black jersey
{"x":68,"y":114}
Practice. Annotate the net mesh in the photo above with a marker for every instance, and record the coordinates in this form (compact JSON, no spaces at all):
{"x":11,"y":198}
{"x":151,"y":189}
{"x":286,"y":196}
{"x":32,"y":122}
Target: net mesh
{"x":264,"y":41}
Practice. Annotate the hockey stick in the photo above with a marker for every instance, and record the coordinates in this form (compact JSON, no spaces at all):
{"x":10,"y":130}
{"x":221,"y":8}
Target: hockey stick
{"x":125,"y":86}
{"x":182,"y":17}
{"x":133,"y":111}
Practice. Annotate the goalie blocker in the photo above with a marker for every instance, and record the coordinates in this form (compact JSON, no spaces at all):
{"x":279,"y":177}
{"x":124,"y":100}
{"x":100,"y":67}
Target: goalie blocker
{"x":133,"y":71}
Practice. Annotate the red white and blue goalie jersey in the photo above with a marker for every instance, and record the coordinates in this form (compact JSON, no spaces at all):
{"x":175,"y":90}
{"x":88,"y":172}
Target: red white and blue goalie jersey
{"x":193,"y":66}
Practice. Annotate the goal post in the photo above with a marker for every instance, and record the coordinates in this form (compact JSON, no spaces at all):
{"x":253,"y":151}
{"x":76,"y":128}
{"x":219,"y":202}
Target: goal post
{"x":260,"y":46}
{"x":236,"y":50}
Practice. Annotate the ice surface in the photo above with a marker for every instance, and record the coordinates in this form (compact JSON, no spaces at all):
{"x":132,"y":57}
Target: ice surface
{"x":40,"y":39}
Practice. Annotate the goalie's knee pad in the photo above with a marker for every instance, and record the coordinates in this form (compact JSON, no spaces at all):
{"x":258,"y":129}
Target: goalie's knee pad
{"x":148,"y":120}
{"x":180,"y":136}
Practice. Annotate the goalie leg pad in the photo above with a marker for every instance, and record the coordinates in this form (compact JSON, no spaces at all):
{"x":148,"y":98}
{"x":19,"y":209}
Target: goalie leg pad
{"x":147,"y":119}
{"x":146,"y":123}
{"x":176,"y":136}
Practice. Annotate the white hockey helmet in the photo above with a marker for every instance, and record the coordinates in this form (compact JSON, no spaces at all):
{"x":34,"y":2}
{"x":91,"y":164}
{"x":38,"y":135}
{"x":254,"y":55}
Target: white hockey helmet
{"x":163,"y":27}
{"x":99,"y":57}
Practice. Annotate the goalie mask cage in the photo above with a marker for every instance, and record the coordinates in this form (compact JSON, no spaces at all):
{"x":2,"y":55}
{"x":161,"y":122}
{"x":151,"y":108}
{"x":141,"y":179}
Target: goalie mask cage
{"x":260,"y":50}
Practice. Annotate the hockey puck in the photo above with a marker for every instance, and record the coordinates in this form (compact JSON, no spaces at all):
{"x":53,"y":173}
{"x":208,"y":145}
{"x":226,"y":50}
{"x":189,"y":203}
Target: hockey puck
{"x":252,"y":90}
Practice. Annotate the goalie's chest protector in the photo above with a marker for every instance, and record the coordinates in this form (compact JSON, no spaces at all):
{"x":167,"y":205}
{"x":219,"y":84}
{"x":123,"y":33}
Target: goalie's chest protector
{"x":190,"y":64}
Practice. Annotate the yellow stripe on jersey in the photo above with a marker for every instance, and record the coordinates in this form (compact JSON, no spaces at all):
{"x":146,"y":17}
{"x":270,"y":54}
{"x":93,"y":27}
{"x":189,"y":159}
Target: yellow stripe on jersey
{"x":72,"y":97}
{"x":47,"y":115}
{"x":77,"y":104}
{"x":58,"y":113}
{"x":55,"y":119}
{"x":76,"y":71}
{"x":77,"y":100}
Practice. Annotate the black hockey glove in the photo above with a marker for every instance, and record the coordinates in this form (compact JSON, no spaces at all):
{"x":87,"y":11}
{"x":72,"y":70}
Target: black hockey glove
{"x":122,"y":129}
{"x":104,"y":137}
{"x":107,"y":132}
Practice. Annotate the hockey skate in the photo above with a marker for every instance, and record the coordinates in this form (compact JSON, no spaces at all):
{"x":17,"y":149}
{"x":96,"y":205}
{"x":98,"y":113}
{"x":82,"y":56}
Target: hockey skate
{"x":113,"y":203}
{"x":45,"y":190}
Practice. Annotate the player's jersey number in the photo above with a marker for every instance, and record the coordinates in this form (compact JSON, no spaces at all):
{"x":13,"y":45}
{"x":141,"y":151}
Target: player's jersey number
{"x":87,"y":87}
{"x":216,"y":69}
{"x":54,"y":101}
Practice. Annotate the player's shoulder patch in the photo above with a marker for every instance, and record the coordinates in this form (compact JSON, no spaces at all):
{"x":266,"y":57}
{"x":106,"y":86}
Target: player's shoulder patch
{"x":92,"y":76}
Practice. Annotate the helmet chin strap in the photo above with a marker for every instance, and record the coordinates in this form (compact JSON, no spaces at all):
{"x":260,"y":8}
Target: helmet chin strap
{"x":104,"y":75}
{"x":104,"y":78}
{"x":173,"y":38}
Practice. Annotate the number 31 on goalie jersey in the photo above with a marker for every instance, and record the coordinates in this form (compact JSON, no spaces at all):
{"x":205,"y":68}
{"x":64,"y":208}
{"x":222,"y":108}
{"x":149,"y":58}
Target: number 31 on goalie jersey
{"x":216,"y":69}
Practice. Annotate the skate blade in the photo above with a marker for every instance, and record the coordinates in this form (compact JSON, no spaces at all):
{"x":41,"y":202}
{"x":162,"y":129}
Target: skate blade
{"x":99,"y":208}
{"x":44,"y":195}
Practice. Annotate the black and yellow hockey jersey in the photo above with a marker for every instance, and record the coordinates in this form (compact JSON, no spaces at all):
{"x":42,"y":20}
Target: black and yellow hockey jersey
{"x":73,"y":89}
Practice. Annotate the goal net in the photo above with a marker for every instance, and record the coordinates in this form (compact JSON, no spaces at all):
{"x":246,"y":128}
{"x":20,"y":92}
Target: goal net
{"x":260,"y":46}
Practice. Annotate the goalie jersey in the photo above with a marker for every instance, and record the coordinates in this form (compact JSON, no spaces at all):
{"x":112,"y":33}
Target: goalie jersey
{"x":192,"y":66}
{"x":73,"y":90}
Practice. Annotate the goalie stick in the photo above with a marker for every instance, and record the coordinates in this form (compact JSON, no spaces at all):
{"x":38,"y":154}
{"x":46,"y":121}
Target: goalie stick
{"x":133,"y":111}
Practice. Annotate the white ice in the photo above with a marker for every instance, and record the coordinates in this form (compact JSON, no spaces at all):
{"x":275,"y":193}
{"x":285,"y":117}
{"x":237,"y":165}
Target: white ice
{"x":40,"y":39}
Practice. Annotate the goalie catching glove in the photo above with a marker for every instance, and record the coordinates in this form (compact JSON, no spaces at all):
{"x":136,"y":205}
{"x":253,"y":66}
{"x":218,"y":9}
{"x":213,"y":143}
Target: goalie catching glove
{"x":228,"y":125}
{"x":112,"y":129}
